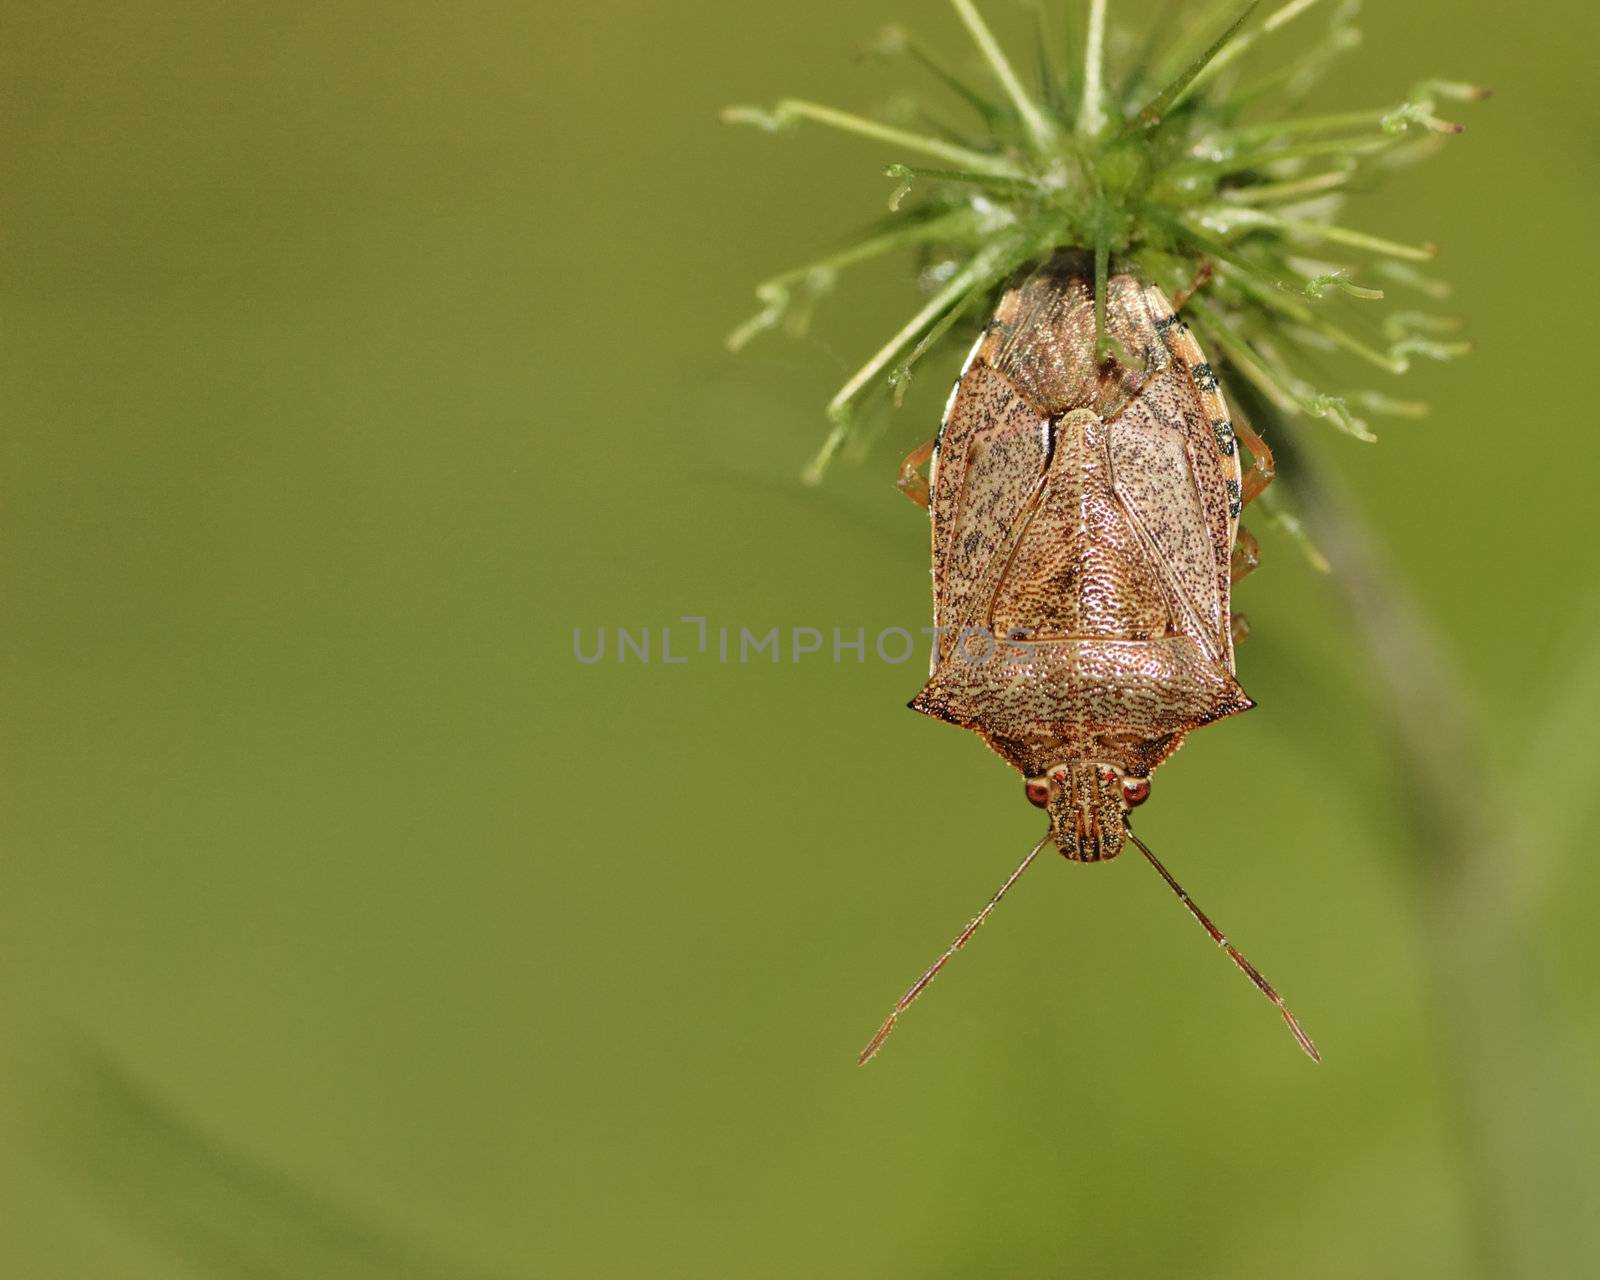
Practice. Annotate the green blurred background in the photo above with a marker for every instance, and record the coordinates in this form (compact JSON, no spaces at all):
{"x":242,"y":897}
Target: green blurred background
{"x":356,"y":353}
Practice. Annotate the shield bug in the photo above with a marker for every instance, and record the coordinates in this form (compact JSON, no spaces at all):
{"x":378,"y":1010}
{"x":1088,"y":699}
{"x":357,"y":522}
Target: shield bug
{"x":1085,"y":521}
{"x":1086,"y":483}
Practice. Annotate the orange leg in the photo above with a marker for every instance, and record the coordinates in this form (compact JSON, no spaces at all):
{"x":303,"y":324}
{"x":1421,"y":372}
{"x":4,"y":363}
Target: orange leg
{"x":1246,"y":554}
{"x":1246,"y":550}
{"x":911,"y":481}
{"x":1263,"y":470}
{"x":1201,"y":280}
{"x":1246,"y":560}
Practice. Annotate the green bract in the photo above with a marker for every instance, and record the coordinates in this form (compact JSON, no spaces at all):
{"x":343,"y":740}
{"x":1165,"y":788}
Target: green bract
{"x":1180,"y":163}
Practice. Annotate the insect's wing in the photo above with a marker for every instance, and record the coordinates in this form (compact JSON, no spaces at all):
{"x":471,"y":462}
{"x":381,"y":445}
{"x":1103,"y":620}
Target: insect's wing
{"x":1171,"y":477}
{"x":993,"y":450}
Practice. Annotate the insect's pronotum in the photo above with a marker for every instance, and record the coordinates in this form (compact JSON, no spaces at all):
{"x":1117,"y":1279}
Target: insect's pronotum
{"x":1086,"y":484}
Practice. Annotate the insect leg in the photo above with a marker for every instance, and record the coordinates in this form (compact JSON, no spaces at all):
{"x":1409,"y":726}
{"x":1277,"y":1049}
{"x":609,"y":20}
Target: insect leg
{"x":1263,"y":470}
{"x":1246,"y":560}
{"x":1246,"y":554}
{"x":1250,"y":971}
{"x":912,"y":483}
{"x":1201,"y":279}
{"x":921,"y":984}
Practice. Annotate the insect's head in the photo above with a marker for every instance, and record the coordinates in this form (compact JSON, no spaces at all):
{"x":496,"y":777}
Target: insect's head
{"x":1088,"y":803}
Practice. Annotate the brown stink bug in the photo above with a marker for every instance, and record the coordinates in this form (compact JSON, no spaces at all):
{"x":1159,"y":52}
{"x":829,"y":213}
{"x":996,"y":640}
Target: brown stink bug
{"x":1085,"y":519}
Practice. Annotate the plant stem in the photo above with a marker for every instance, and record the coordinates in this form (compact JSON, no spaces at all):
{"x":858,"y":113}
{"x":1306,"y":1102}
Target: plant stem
{"x":1092,"y":118}
{"x":792,"y":109}
{"x":1281,"y":192}
{"x":987,"y":265}
{"x":1359,"y":239}
{"x":1354,"y":146}
{"x":1287,"y":14}
{"x":1039,"y":128}
{"x":1508,"y":1106}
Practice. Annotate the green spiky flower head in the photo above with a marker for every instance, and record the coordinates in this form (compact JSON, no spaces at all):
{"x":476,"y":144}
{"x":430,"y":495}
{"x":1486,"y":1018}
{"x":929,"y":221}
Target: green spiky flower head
{"x":1190,"y":162}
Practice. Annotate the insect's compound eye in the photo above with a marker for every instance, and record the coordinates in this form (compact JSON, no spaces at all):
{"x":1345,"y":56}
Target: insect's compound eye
{"x":1039,"y":794}
{"x":1135,"y":791}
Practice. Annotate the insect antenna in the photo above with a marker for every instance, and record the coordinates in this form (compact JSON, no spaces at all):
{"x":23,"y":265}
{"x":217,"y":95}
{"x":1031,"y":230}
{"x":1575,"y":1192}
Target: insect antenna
{"x":1250,"y":971}
{"x":921,"y":984}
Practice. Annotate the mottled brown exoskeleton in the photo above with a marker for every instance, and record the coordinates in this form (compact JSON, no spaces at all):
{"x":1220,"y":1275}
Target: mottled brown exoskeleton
{"x":1086,"y":536}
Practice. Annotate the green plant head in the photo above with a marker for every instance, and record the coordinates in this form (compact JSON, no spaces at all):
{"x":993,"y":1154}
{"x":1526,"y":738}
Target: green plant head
{"x":1182,"y":161}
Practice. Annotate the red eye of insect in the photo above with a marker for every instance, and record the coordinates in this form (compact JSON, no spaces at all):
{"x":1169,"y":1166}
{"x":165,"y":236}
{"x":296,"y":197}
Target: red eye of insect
{"x":1135,"y":791}
{"x":1039,"y":794}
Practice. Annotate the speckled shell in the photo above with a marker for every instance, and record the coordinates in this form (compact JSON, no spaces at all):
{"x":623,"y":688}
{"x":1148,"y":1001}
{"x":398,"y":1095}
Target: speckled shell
{"x":1090,"y":510}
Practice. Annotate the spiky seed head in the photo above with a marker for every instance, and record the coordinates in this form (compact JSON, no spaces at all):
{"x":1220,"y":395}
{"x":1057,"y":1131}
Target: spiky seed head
{"x":1191,"y":157}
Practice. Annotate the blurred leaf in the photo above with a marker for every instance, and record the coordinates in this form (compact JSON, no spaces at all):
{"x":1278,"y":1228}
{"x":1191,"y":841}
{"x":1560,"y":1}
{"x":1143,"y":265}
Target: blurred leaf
{"x":209,"y":1201}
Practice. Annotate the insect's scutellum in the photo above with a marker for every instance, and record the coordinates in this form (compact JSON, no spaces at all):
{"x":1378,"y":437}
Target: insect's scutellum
{"x":1088,"y":477}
